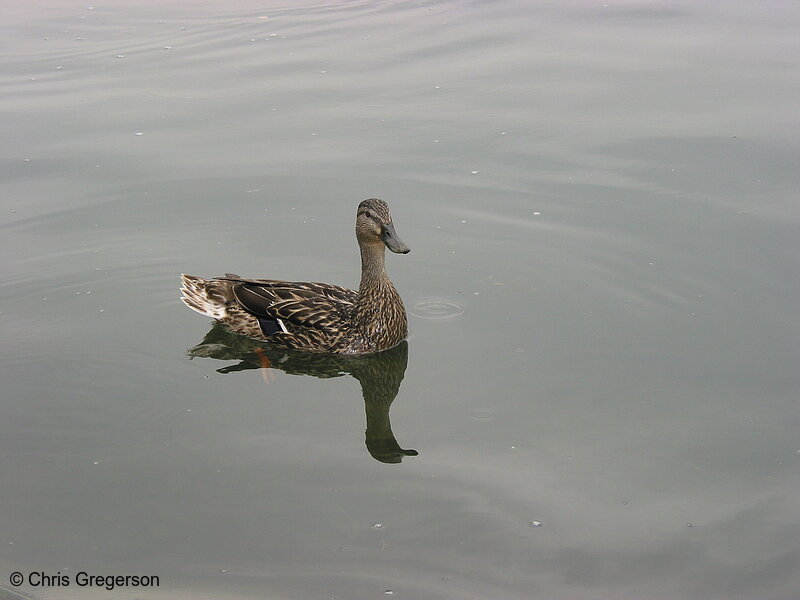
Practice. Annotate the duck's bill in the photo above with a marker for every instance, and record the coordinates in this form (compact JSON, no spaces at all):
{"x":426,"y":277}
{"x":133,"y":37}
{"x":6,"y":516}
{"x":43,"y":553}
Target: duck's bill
{"x":393,"y":243}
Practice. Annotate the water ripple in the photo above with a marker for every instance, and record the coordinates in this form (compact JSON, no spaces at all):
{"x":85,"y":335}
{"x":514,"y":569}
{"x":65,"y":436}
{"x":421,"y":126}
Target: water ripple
{"x":437,"y":309}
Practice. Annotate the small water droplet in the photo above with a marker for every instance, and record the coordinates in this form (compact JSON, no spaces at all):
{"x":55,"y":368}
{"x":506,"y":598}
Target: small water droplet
{"x":120,"y":56}
{"x":389,"y":593}
{"x":102,"y":310}
{"x":138,"y":133}
{"x":624,"y":503}
{"x":59,"y":68}
{"x":690,"y":524}
{"x":519,"y":349}
{"x":535,"y":523}
{"x":97,"y":462}
{"x":377,"y":525}
{"x":474,"y":172}
{"x":536,"y":213}
{"x":167,"y":47}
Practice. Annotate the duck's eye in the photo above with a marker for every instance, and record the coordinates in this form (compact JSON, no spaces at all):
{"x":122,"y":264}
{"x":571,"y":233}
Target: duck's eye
{"x":368,"y":214}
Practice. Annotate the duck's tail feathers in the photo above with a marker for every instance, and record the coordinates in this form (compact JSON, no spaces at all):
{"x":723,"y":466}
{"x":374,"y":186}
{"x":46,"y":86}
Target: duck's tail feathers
{"x":200,"y":297}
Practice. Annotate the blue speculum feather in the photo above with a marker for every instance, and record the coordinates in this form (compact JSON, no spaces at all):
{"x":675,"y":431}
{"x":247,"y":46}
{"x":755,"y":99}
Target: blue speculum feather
{"x":268,"y":326}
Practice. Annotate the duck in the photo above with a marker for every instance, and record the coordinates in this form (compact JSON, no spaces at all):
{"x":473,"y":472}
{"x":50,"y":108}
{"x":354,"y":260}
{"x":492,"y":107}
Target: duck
{"x":311,"y":316}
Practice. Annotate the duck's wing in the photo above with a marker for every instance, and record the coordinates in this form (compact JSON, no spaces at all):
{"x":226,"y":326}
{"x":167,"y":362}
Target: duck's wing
{"x":304,"y":304}
{"x":335,"y":292}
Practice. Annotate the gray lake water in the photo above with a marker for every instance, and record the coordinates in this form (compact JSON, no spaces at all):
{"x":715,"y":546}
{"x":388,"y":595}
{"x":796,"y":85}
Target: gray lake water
{"x":601,"y":380}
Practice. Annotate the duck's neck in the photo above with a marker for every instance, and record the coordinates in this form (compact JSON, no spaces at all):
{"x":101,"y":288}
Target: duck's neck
{"x":379,"y":312}
{"x":373,"y":271}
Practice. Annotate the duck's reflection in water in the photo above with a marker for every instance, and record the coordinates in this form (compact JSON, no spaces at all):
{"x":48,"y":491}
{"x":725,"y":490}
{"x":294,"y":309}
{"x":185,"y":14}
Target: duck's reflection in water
{"x":380,"y":376}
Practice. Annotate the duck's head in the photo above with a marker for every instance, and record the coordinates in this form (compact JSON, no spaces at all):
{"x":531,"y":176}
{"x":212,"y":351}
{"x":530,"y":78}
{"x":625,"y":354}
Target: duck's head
{"x":374,"y":226}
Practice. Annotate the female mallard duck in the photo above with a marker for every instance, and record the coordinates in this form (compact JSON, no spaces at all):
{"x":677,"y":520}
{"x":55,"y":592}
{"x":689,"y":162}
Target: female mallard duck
{"x":315,"y":317}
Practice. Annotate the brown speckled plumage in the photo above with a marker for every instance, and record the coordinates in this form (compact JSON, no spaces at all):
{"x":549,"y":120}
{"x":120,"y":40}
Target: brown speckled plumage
{"x":315,"y":317}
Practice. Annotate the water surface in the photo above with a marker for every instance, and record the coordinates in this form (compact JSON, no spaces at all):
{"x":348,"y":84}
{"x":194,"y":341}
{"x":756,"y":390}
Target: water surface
{"x":599,"y":393}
